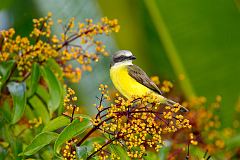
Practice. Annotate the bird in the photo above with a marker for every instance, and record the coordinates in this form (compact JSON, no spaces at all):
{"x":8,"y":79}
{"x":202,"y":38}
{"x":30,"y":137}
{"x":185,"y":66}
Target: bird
{"x":130,"y":80}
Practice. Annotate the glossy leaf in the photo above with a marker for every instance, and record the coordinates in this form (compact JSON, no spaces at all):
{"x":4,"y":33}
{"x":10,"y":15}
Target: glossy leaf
{"x":39,"y":142}
{"x":51,"y":63}
{"x":5,"y":112}
{"x":163,"y":152}
{"x":39,"y":109}
{"x":56,"y":123}
{"x":47,"y":153}
{"x":34,"y":79}
{"x":55,"y":67}
{"x":54,"y":87}
{"x":89,"y":142}
{"x":29,"y":114}
{"x":82,"y":152}
{"x":73,"y":129}
{"x":17,"y":91}
{"x":5,"y":71}
{"x":81,"y":115}
{"x":119,"y":151}
{"x":151,"y":156}
{"x":17,"y":146}
{"x":42,"y":94}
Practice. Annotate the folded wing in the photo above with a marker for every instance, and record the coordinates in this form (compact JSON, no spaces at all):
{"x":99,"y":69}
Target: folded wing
{"x":141,"y":77}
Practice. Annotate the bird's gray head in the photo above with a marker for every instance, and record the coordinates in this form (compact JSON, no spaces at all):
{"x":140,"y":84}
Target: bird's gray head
{"x":123,"y":56}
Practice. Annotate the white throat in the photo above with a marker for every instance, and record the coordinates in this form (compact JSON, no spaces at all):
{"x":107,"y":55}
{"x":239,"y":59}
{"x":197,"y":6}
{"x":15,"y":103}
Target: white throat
{"x":124,"y":63}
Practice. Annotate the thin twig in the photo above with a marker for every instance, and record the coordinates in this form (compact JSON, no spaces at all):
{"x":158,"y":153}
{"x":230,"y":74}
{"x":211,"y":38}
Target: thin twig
{"x":74,"y":108}
{"x":74,"y":38}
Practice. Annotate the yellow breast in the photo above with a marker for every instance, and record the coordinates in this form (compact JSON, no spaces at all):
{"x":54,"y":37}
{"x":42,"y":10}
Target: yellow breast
{"x":125,"y":84}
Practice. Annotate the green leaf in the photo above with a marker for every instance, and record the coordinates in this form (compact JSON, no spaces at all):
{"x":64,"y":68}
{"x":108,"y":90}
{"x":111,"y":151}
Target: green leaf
{"x":5,"y":112}
{"x":40,"y":109}
{"x":17,"y":147}
{"x":163,"y":152}
{"x":34,"y":79}
{"x":28,"y":113}
{"x":51,"y":63}
{"x":5,"y":71}
{"x":72,"y":130}
{"x":17,"y":91}
{"x":39,"y":142}
{"x":119,"y":151}
{"x":82,"y":152}
{"x":54,"y":87}
{"x":87,"y":147}
{"x":47,"y":152}
{"x":56,"y":123}
{"x":4,"y":153}
{"x":27,"y":135}
{"x":81,"y":115}
{"x":152,"y":156}
{"x":89,"y":142}
{"x":42,"y":94}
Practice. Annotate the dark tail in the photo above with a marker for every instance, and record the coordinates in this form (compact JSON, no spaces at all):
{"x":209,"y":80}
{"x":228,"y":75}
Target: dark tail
{"x":171,"y":103}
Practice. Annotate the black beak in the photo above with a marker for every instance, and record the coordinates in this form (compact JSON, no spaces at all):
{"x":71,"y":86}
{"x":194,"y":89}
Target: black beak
{"x":133,"y":57}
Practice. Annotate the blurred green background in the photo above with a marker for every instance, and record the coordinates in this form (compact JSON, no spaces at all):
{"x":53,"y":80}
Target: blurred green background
{"x":194,"y":44}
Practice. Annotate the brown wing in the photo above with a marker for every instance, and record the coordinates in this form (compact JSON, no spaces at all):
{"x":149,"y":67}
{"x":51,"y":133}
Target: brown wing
{"x":140,"y":76}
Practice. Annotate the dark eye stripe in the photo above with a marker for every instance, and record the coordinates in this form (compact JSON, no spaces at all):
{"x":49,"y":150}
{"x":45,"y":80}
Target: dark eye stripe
{"x":120,"y":58}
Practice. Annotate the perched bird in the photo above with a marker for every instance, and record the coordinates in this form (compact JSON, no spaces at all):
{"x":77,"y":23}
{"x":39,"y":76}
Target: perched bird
{"x":130,"y":80}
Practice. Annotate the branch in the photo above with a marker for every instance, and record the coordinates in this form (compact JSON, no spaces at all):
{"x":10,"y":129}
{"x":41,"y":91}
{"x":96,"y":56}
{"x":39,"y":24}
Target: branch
{"x":74,"y":38}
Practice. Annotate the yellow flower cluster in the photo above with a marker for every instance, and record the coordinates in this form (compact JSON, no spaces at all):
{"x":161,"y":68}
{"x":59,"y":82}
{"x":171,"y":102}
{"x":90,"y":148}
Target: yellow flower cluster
{"x":42,"y":27}
{"x":6,"y":49}
{"x":140,"y":123}
{"x":22,"y":51}
{"x":165,"y":86}
{"x":104,"y":91}
{"x":69,"y":151}
{"x":156,"y":80}
{"x":80,"y":52}
{"x":69,"y":102}
{"x":77,"y":44}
